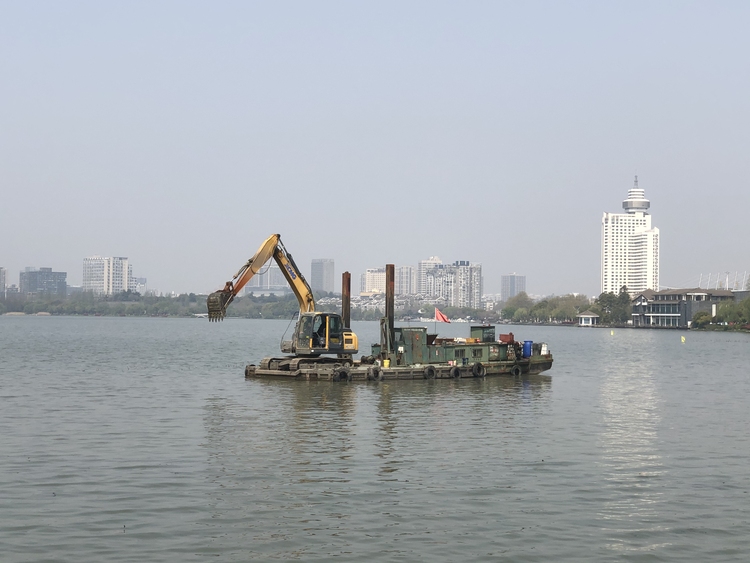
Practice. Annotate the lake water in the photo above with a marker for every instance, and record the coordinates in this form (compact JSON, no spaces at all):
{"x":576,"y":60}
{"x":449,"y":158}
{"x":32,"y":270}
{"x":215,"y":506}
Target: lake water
{"x":125,"y":439}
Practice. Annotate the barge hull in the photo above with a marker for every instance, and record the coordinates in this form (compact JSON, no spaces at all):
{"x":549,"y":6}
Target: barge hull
{"x":372,"y":372}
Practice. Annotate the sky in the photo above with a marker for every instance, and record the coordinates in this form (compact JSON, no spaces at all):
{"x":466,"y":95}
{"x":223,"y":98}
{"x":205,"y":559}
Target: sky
{"x":182,"y":134}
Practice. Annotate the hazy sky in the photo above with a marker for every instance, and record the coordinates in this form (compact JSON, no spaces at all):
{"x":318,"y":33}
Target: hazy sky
{"x":181,"y":134}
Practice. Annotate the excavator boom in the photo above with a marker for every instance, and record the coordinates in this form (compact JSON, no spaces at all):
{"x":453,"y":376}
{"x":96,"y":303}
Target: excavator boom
{"x":218,"y":301}
{"x":316,"y":333}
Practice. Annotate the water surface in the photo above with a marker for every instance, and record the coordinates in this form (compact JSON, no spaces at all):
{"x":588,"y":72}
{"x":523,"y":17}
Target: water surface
{"x":128,"y":439}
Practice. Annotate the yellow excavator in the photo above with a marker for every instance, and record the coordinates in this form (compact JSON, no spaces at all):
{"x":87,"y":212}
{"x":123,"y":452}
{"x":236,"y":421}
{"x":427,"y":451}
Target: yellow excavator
{"x":316,"y":333}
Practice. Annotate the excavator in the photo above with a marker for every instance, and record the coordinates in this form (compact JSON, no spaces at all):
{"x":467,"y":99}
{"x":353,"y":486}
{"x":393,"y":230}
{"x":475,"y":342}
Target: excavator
{"x":316,"y":334}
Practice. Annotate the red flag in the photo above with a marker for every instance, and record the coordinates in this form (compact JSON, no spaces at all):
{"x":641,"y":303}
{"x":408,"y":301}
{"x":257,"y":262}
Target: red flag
{"x":440,"y":316}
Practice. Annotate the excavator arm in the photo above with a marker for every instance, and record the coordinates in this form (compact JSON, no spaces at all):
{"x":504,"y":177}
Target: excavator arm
{"x":218,"y":301}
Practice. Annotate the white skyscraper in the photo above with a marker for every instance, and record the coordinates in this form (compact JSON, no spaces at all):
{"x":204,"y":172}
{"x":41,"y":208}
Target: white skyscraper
{"x":107,"y":276}
{"x":630,"y":247}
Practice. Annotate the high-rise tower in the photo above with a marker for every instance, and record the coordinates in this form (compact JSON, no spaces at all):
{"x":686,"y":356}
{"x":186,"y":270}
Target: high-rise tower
{"x":107,"y":276}
{"x":511,"y":285}
{"x":630,"y":247}
{"x":422,"y":268}
{"x":322,"y":275}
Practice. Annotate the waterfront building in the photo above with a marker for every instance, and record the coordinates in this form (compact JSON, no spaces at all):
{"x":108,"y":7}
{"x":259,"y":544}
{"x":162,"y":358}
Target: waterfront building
{"x":43,"y":281}
{"x":322,"y":275}
{"x":587,"y":318}
{"x":422,"y":268}
{"x":676,"y":307}
{"x":108,"y":275}
{"x":2,"y":282}
{"x":630,"y":247}
{"x":511,"y":285}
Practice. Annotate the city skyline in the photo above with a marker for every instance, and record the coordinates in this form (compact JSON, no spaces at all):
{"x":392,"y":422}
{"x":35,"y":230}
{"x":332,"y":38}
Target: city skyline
{"x":500,"y":135}
{"x":721,"y":279}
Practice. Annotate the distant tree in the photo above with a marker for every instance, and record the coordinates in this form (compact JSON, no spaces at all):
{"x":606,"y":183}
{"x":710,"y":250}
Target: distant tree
{"x":744,"y":307}
{"x":614,"y":309}
{"x":517,"y":302}
{"x":521,"y":315}
{"x":701,"y":319}
{"x":729,"y":312}
{"x":564,"y":312}
{"x":521,"y":300}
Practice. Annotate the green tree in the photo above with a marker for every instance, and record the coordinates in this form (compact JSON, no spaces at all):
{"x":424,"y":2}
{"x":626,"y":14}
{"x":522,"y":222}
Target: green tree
{"x":744,"y":307}
{"x":701,"y":319}
{"x":614,"y":309}
{"x":521,"y":315}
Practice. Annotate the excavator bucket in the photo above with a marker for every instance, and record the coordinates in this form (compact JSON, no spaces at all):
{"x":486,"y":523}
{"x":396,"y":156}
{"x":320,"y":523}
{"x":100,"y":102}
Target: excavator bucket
{"x":217,"y":305}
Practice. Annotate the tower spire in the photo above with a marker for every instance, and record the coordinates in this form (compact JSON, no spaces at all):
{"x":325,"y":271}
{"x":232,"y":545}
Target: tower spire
{"x":636,"y":200}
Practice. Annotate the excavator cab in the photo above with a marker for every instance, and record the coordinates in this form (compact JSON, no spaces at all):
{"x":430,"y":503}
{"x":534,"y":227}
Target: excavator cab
{"x":323,"y":333}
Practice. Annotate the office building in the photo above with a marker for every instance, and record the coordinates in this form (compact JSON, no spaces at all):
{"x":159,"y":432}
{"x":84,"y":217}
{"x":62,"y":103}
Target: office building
{"x":511,"y":285}
{"x":322,"y":275}
{"x":43,"y":282}
{"x":108,"y":275}
{"x":3,"y":274}
{"x":630,"y":247}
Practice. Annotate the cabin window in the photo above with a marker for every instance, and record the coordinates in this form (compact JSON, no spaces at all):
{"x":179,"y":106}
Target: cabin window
{"x":476,"y":352}
{"x":334,"y":327}
{"x":459,"y":353}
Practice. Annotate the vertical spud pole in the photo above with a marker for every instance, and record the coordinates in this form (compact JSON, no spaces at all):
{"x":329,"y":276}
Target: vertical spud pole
{"x":390,"y":300}
{"x":346,"y":298}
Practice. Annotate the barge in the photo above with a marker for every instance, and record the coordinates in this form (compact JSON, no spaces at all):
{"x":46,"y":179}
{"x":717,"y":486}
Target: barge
{"x":412,"y":353}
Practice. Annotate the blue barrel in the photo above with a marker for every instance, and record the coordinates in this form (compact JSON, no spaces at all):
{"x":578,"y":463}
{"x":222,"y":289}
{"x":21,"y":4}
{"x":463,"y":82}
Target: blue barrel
{"x":527,"y":348}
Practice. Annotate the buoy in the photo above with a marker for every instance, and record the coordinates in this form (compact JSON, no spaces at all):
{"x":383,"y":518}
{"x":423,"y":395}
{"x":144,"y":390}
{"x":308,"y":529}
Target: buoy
{"x":611,"y":332}
{"x":683,"y":339}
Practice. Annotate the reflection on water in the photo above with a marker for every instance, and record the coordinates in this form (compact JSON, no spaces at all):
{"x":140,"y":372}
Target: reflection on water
{"x":631,"y":462}
{"x":315,"y":458}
